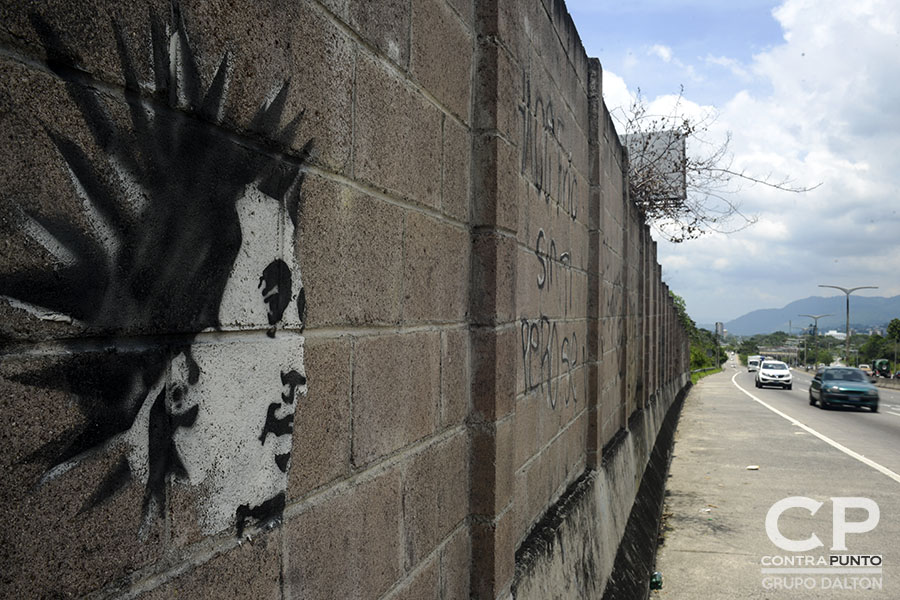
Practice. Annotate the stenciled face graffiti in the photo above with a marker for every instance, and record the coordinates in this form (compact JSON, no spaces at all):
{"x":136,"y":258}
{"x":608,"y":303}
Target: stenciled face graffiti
{"x":190,"y":238}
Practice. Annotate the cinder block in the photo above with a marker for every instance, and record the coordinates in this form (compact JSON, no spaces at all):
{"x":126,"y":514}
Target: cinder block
{"x":493,"y":372}
{"x":348,"y":546}
{"x":435,"y":498}
{"x":423,"y":585}
{"x":390,"y":408}
{"x":493,"y":279}
{"x":322,"y":433}
{"x":455,"y":559}
{"x":455,"y":184}
{"x":511,"y":27}
{"x":464,"y":9}
{"x":436,"y":270}
{"x":537,"y":483}
{"x":579,"y":294}
{"x":58,"y":543}
{"x":252,"y":569}
{"x":493,"y":556}
{"x":576,"y":450}
{"x":339,"y":255}
{"x":526,"y":230}
{"x":527,"y":430}
{"x":338,"y":7}
{"x":391,"y":115}
{"x":492,"y":467}
{"x":496,"y":201}
{"x":93,"y":38}
{"x":441,"y":55}
{"x":499,"y":92}
{"x":581,"y":244}
{"x":385,"y":25}
{"x":314,"y":55}
{"x":455,"y":379}
{"x":532,"y":278}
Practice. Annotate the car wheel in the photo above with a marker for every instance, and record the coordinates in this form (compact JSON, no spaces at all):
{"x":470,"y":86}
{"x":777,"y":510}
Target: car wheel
{"x":758,"y":385}
{"x":789,"y":386}
{"x":823,"y":404}
{"x":874,"y":408}
{"x":812,"y":401}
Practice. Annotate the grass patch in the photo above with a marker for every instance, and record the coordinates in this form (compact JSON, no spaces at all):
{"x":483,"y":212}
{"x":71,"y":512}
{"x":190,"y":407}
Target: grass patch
{"x":695,"y":377}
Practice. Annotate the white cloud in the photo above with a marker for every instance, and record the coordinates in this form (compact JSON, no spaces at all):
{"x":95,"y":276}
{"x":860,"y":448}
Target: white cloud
{"x":823,"y":107}
{"x":734,"y":66}
{"x":662,"y":52}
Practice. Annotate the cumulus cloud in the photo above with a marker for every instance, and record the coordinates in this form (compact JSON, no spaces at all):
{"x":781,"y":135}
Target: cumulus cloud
{"x":820,"y":108}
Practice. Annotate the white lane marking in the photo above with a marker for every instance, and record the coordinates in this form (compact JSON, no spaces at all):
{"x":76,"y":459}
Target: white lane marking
{"x":824,"y":438}
{"x":893,"y":413}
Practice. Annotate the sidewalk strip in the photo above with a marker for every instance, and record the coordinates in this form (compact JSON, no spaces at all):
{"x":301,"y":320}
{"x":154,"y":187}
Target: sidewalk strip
{"x":822,"y":437}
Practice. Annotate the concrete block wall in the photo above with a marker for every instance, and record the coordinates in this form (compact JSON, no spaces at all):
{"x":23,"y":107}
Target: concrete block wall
{"x":325,"y":299}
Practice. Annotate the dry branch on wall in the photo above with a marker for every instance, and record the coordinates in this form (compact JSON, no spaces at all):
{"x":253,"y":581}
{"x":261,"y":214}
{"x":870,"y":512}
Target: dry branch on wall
{"x":685,"y":184}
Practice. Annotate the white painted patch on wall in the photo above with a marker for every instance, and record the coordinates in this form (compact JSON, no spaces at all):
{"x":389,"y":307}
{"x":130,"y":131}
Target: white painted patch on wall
{"x":223,"y":452}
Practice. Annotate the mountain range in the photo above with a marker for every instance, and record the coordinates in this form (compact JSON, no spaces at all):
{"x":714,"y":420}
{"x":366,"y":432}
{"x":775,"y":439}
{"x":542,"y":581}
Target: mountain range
{"x":865,"y":312}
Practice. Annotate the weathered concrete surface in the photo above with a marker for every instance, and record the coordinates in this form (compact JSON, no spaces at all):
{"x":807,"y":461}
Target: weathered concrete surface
{"x":328,"y":298}
{"x":599,"y":539}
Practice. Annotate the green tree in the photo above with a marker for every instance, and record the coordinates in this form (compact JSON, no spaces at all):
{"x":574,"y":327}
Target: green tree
{"x":874,"y":347}
{"x":893,"y":333}
{"x":703,"y":343}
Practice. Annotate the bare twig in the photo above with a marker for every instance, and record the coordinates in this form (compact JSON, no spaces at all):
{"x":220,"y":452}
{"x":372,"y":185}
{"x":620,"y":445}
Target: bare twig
{"x":684,"y":196}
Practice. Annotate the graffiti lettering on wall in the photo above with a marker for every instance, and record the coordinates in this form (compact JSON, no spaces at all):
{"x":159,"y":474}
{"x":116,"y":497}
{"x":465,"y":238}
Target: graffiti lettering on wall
{"x":543,"y":158}
{"x":549,"y":358}
{"x":191,"y":234}
{"x":556,"y":270}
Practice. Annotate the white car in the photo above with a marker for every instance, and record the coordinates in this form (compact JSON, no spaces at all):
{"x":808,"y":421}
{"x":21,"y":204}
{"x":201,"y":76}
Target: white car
{"x":774,"y":372}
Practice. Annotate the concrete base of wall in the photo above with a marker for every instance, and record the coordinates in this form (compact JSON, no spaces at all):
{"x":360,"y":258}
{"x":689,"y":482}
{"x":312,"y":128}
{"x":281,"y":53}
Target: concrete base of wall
{"x":636,"y":556}
{"x":598,"y":540}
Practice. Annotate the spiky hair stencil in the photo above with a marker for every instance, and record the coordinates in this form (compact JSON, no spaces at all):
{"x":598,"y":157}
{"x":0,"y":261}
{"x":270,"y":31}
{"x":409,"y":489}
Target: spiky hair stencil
{"x":165,"y":235}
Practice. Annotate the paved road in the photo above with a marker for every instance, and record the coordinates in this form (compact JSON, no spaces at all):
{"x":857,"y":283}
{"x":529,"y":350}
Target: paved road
{"x":874,"y":435}
{"x":715,"y":541}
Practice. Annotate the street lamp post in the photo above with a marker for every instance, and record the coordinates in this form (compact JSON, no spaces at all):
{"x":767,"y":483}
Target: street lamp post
{"x":816,"y":318}
{"x":849,"y":291}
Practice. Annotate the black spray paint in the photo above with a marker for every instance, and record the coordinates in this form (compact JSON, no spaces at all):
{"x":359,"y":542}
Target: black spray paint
{"x":170,"y":258}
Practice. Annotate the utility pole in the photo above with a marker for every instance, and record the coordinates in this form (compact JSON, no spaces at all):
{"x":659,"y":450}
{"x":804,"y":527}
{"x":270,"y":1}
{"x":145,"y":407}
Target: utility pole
{"x":816,"y":318}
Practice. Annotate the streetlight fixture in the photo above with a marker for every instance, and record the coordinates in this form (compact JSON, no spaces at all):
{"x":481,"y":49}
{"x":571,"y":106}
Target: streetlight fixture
{"x":816,"y":337}
{"x":849,"y":291}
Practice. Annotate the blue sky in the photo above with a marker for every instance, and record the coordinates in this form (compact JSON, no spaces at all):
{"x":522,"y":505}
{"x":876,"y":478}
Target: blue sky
{"x":809,"y":90}
{"x":629,"y":37}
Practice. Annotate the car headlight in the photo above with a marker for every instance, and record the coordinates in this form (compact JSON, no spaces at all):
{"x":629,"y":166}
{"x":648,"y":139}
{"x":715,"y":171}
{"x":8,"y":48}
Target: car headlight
{"x":833,"y":388}
{"x":872,"y":393}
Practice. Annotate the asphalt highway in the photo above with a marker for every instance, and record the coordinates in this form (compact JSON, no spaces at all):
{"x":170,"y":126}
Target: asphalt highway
{"x":740,"y":452}
{"x":873,"y":435}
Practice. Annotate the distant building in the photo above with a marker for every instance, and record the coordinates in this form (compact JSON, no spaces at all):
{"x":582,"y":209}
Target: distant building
{"x":838,"y":335}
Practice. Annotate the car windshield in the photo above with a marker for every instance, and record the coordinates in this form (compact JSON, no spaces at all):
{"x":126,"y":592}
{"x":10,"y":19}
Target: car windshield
{"x":844,"y":375}
{"x":775,"y":366}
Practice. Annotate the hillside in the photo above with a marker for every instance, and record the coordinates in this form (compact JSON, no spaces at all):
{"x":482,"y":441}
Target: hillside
{"x":865,"y":312}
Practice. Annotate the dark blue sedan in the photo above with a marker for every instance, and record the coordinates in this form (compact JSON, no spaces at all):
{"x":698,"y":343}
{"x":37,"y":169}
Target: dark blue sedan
{"x":843,"y":386}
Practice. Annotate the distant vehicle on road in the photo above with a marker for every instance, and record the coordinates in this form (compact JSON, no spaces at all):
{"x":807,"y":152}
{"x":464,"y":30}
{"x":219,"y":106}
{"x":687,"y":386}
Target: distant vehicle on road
{"x":882,"y":367}
{"x":866,"y":369}
{"x":843,"y":386}
{"x":774,"y":372}
{"x":753,"y":362}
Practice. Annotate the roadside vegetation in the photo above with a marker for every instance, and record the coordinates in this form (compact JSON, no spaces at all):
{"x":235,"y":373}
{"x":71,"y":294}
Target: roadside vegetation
{"x":864,"y":348}
{"x":706,"y":352}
